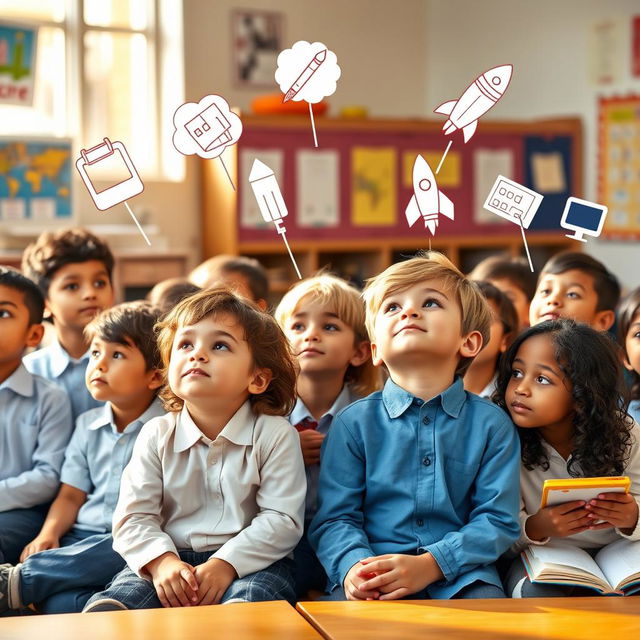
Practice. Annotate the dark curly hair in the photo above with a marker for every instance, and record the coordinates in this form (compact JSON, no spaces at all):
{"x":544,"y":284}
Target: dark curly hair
{"x":589,"y":359}
{"x":628,"y":310}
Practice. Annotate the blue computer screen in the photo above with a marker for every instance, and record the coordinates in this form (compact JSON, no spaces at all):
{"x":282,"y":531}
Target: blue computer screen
{"x":580,"y":215}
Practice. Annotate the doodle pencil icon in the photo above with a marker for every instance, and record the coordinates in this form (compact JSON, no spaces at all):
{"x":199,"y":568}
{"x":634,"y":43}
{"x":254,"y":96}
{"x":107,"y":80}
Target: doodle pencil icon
{"x":427,"y":201}
{"x":478,"y":98}
{"x":309,"y":72}
{"x":270,"y":201}
{"x":306,"y":74}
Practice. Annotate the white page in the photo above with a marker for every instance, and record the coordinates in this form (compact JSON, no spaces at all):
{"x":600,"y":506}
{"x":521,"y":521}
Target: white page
{"x":250,"y":216}
{"x":568,"y":556}
{"x":488,"y":164}
{"x":318,"y":182}
{"x":619,"y":560}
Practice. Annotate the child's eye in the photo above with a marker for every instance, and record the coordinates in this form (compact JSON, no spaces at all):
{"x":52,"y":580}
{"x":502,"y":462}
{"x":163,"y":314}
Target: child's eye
{"x":297,"y":326}
{"x":221,"y":346}
{"x":573,"y":295}
{"x":4,"y":313}
{"x":331,"y":327}
{"x":95,"y":353}
{"x":392,"y":306}
{"x":118,"y":355}
{"x":72,"y":286}
{"x":516,"y":373}
{"x":184,"y":344}
{"x":429,"y":303}
{"x":542,"y":380}
{"x":100,"y":284}
{"x":636,"y":334}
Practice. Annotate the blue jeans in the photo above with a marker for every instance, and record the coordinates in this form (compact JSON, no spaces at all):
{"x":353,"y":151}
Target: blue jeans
{"x":17,"y":528}
{"x":273,"y":583}
{"x":62,"y":580}
{"x":309,"y":572}
{"x":477,"y":589}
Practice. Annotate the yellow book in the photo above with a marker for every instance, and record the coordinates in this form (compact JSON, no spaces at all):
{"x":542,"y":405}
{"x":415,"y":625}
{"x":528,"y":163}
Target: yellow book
{"x":570,"y":489}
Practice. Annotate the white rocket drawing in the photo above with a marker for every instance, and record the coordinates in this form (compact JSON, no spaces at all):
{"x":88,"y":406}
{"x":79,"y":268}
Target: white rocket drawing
{"x":427,"y":201}
{"x":478,"y":98}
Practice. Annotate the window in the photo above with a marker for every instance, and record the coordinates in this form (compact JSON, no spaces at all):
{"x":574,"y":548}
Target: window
{"x":105,"y":68}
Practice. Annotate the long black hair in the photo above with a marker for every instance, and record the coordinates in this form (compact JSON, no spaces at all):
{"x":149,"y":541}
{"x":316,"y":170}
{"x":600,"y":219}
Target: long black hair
{"x":590,"y":361}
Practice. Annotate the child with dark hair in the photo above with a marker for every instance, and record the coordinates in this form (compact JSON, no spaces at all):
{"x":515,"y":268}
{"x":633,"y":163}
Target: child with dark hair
{"x":513,"y":277}
{"x":73,"y":269}
{"x":35,"y":419}
{"x":575,"y":285}
{"x":629,"y":337}
{"x":244,"y":275}
{"x":562,"y":384}
{"x":212,"y":504}
{"x":481,"y":375}
{"x":72,"y":557}
{"x":167,"y":293}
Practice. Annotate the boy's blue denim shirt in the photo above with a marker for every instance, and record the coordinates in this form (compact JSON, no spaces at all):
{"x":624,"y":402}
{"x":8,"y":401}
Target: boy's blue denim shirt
{"x":400,"y":475}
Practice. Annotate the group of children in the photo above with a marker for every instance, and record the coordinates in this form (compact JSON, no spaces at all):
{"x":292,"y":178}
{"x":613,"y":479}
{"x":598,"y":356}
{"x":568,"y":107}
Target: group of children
{"x":148,"y":455}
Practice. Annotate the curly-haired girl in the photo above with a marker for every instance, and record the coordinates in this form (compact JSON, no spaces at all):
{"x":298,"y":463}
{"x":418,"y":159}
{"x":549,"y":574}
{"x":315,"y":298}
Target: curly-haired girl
{"x":562,"y":384}
{"x":629,"y":337}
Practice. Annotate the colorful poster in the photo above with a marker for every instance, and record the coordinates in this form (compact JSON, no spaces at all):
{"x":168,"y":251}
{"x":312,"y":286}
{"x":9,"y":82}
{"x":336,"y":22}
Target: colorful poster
{"x":374,"y":189}
{"x":35,"y":180}
{"x":548,"y":172}
{"x":17,"y":64}
{"x":450,"y":174}
{"x":619,"y":166}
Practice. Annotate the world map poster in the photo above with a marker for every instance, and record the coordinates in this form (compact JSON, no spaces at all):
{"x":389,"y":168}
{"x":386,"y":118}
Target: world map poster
{"x":35,"y":180}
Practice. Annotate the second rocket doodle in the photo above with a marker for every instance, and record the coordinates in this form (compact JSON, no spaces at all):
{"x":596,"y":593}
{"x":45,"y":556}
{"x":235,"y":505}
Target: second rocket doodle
{"x":478,"y":98}
{"x":427,"y":200}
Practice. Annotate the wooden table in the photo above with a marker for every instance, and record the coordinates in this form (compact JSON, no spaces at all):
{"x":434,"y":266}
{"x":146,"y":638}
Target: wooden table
{"x":544,"y":618}
{"x":241,"y":621}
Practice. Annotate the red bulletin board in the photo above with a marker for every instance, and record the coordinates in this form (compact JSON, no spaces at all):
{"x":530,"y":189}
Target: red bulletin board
{"x":260,"y":133}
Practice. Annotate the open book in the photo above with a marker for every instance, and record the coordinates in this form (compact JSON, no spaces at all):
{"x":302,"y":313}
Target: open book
{"x":615,"y":570}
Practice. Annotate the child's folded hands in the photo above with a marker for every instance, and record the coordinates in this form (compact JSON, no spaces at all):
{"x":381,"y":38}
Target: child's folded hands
{"x":174,"y":580}
{"x":214,"y":577}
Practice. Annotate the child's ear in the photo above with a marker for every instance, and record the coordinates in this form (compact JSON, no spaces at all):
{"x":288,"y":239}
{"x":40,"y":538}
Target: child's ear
{"x":375,"y":358}
{"x":471,"y":345}
{"x":260,"y":381}
{"x":361,"y":354}
{"x":603,"y":320}
{"x":505,"y":341}
{"x":156,"y":380}
{"x":35,"y":332}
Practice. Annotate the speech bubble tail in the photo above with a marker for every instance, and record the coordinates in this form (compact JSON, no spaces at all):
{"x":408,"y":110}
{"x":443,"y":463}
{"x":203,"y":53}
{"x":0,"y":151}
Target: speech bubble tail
{"x":144,"y":235}
{"x":224,"y":166}
{"x":313,"y":125}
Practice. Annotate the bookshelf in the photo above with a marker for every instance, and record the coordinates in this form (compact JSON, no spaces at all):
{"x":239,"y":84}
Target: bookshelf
{"x":361,"y":253}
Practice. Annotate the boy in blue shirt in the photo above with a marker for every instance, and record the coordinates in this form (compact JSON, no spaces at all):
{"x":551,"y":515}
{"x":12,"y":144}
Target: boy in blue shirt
{"x":72,"y":557}
{"x":419,"y":486}
{"x":35,"y":419}
{"x":73,"y":269}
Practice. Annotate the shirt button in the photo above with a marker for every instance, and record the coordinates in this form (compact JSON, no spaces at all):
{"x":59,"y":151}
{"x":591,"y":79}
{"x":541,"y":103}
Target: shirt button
{"x":425,"y":420}
{"x":419,"y":522}
{"x":425,"y":461}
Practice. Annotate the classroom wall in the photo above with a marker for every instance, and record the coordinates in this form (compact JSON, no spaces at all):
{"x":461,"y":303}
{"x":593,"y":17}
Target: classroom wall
{"x":547,"y":41}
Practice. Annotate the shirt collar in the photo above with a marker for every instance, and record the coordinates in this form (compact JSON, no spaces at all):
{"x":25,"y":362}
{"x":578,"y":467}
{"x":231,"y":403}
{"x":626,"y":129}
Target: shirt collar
{"x":300,"y":411}
{"x":397,"y":400}
{"x":20,"y":381}
{"x":238,"y":430}
{"x":60,"y":359}
{"x":105,"y":418}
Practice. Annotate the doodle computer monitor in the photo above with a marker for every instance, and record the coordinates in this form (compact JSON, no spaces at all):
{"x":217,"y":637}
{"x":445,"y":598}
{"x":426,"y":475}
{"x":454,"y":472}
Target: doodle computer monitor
{"x":583,"y":217}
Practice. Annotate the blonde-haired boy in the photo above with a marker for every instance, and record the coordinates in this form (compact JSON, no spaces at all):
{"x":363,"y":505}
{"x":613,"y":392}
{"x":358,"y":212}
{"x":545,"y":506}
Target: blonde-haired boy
{"x":418,"y":491}
{"x":324,"y":319}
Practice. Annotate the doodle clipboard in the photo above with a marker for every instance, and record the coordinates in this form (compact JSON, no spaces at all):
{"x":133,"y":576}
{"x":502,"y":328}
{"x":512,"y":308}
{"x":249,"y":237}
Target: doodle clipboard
{"x":112,"y":156}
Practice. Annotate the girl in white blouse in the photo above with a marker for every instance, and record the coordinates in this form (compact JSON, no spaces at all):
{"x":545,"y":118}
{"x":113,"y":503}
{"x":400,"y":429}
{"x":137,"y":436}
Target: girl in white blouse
{"x":562,"y":384}
{"x":212,"y":502}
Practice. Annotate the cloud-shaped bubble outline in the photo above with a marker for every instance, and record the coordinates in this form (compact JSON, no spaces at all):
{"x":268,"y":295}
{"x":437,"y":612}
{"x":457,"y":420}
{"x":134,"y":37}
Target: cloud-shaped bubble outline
{"x":182,"y":140}
{"x":291,"y":62}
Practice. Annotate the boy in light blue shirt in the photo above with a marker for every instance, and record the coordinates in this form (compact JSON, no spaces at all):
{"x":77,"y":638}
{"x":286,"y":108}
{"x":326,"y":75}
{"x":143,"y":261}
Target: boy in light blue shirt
{"x":35,"y":419}
{"x":419,"y":484}
{"x":73,"y":269}
{"x":72,"y":557}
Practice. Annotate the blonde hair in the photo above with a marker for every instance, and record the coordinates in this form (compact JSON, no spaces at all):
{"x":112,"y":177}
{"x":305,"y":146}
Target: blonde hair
{"x":268,"y":345}
{"x":345,"y":301}
{"x":431,"y":265}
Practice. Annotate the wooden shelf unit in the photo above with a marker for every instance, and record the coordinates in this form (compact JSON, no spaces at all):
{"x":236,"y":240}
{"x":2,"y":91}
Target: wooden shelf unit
{"x":361,"y":258}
